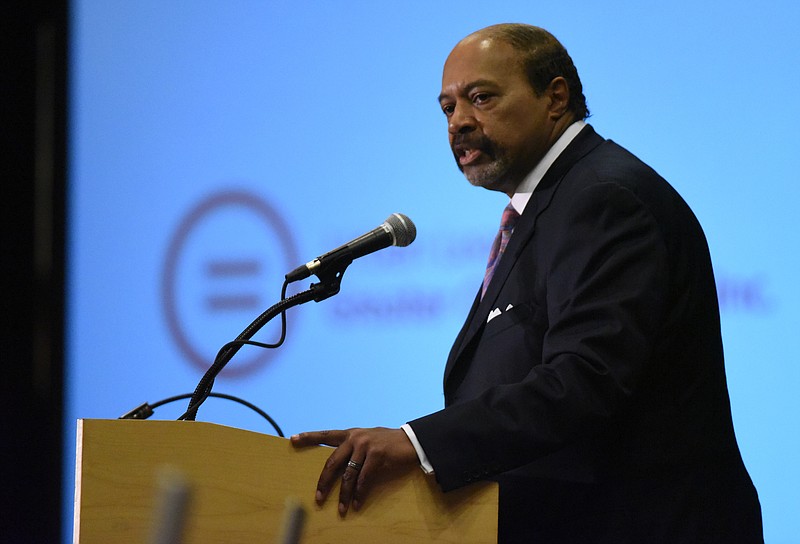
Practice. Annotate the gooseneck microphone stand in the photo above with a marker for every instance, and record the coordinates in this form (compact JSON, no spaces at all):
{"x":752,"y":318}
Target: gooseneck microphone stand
{"x":328,"y":286}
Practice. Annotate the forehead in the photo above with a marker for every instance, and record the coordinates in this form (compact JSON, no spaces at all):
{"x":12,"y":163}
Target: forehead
{"x":481,"y":59}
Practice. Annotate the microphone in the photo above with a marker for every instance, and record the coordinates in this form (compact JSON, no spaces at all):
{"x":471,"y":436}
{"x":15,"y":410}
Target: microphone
{"x":397,"y":230}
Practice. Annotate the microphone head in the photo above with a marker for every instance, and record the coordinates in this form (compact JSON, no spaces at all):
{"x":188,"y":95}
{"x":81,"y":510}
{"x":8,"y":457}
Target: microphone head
{"x":401,"y":228}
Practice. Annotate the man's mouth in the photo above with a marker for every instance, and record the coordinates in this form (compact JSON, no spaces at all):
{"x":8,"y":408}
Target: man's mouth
{"x":470,"y":152}
{"x":468,"y":156}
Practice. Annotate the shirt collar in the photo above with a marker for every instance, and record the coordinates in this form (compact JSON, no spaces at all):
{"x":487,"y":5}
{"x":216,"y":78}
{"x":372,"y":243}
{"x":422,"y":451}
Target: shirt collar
{"x":528,"y":185}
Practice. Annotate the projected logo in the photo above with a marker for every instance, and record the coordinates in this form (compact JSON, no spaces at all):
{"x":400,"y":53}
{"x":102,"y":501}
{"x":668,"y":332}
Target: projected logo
{"x":225,"y":266}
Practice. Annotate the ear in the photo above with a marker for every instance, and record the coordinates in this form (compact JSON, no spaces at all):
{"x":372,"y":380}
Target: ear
{"x":558,"y":93}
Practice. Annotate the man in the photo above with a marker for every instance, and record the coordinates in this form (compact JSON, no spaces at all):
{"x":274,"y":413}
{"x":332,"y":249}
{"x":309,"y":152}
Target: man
{"x":588,"y":379}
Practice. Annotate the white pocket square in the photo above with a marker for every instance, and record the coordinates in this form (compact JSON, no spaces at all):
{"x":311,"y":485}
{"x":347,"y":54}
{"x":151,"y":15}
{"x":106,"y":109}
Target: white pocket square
{"x":494,"y":313}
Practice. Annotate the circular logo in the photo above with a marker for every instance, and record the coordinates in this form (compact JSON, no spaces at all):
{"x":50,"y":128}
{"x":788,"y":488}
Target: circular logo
{"x":227,"y":256}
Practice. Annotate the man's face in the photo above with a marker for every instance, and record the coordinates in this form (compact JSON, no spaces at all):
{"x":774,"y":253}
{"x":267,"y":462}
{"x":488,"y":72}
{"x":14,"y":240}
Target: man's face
{"x":498,"y":128}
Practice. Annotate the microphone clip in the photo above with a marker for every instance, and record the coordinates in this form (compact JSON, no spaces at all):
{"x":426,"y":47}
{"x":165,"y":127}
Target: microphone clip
{"x":330,"y":275}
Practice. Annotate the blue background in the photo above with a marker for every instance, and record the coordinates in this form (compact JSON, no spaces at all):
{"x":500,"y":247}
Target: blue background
{"x":190,"y":119}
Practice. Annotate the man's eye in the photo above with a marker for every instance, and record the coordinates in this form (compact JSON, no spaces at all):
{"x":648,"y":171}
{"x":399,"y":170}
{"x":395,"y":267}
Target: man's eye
{"x":448,"y":109}
{"x":480,"y":98}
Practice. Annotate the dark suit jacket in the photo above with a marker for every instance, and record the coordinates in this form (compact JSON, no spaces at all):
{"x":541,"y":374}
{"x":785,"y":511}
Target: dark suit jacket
{"x":598,"y":400}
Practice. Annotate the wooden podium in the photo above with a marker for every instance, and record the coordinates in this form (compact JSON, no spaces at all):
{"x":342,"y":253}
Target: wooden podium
{"x":239,"y":484}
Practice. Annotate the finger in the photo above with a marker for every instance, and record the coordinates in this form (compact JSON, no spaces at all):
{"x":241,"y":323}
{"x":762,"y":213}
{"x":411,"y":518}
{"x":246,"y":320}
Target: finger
{"x":333,"y":469}
{"x":350,"y":481}
{"x":316,"y":438}
{"x":363,"y":484}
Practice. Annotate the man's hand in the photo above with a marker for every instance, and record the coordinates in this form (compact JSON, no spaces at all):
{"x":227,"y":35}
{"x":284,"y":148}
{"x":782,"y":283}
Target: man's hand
{"x":361,"y":455}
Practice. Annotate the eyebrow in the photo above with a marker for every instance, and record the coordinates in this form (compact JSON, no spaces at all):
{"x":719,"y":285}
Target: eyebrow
{"x":469,"y":86}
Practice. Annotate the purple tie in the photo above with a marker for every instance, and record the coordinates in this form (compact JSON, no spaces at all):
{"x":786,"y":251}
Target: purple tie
{"x":507,"y":223}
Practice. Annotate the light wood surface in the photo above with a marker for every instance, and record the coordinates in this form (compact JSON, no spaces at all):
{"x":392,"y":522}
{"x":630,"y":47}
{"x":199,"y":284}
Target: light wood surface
{"x":240,"y":482}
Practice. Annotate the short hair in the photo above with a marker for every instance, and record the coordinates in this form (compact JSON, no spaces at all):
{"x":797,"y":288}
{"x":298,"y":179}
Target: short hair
{"x":544,"y":59}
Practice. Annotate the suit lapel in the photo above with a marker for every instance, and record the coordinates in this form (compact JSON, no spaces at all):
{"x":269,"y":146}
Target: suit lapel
{"x":583,"y":143}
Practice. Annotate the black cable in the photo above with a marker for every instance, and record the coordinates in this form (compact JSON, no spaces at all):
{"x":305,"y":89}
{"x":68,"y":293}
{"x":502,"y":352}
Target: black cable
{"x":146,"y":410}
{"x":328,"y":286}
{"x":230,"y":349}
{"x":207,"y":392}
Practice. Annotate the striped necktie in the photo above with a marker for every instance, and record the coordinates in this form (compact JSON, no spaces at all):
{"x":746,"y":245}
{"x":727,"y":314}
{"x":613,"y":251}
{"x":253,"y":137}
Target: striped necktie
{"x":507,"y":223}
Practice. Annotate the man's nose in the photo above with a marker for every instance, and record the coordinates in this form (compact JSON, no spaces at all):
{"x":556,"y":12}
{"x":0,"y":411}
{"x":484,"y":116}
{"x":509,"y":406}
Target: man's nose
{"x":462,"y":120}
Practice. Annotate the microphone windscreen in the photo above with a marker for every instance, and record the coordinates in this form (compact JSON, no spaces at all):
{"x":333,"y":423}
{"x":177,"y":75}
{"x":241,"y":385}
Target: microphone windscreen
{"x":402,"y":228}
